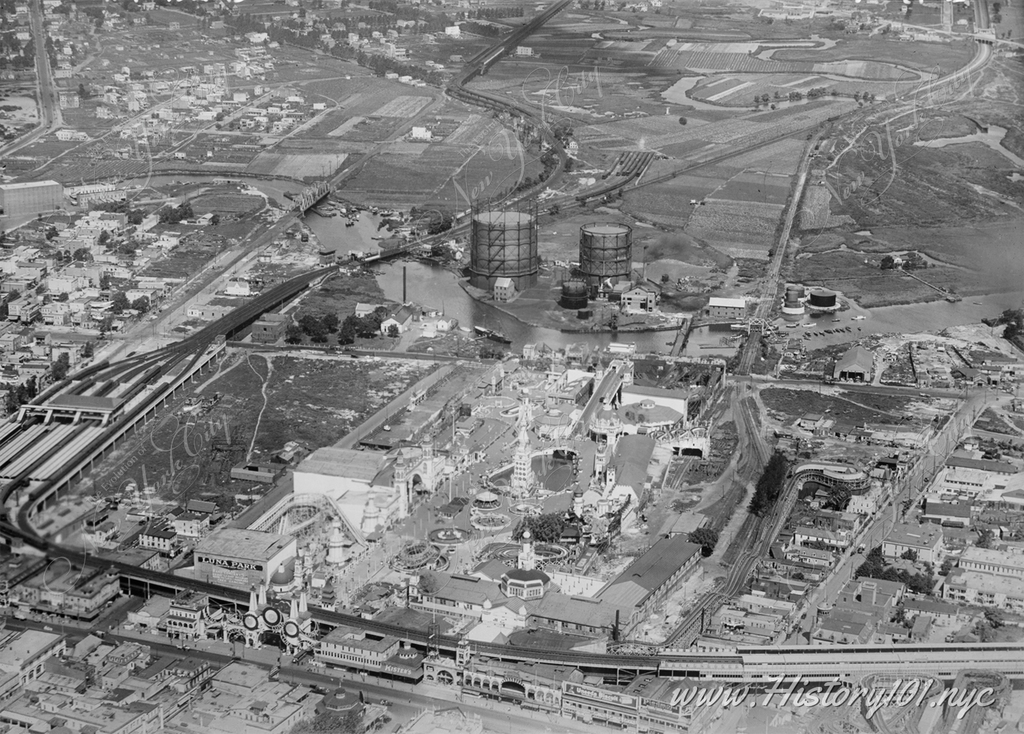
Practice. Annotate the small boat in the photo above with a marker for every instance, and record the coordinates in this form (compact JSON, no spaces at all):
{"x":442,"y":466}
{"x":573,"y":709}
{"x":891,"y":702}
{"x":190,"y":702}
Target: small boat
{"x":495,"y":336}
{"x":836,"y":321}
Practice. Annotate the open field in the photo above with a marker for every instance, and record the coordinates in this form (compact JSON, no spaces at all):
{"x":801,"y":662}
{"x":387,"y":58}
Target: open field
{"x":297,"y":165}
{"x":815,"y":212}
{"x":756,"y":187}
{"x":925,"y":57}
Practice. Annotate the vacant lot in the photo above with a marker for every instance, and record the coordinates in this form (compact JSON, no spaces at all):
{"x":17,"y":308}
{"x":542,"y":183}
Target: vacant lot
{"x":852,"y":407}
{"x":264,"y":402}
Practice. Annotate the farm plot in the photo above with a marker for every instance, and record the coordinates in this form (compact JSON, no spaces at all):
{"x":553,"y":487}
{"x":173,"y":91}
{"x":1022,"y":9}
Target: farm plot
{"x":404,"y":106}
{"x":738,"y":228}
{"x":782,"y":157}
{"x":226,"y":203}
{"x":297,"y":165}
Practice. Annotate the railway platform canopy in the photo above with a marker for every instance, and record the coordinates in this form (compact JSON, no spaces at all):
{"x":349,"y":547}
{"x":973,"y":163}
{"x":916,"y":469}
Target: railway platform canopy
{"x":75,"y":407}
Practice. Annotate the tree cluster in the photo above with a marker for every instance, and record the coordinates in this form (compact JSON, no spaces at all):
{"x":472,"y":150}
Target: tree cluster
{"x":544,"y":528}
{"x":492,"y":13}
{"x":1013,"y":318}
{"x":706,"y":538}
{"x":769,"y":484}
{"x":174,"y":215}
{"x":875,"y":567}
{"x":317,"y":328}
{"x":18,"y":396}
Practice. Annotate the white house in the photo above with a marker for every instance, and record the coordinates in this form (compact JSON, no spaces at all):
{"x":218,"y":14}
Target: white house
{"x":504,"y":290}
{"x":421,"y":134}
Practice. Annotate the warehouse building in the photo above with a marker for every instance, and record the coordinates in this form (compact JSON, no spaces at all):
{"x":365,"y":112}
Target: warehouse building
{"x":33,"y":197}
{"x":245,"y":558}
{"x":733,"y":309}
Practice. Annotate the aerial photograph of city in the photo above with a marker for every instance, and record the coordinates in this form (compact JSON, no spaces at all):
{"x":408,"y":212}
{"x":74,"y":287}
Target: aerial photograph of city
{"x":512,"y":367}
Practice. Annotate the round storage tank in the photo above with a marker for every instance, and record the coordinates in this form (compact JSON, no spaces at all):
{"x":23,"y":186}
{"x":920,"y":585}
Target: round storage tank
{"x":822,"y":298}
{"x":793,"y":295}
{"x":606,"y":251}
{"x":503,"y":245}
{"x":574,"y":294}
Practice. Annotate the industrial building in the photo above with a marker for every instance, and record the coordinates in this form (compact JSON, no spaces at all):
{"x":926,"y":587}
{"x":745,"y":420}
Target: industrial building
{"x":503,"y":244}
{"x":33,"y":197}
{"x":606,"y":252}
{"x":732,"y":309}
{"x":857,"y":365}
{"x":244,"y":558}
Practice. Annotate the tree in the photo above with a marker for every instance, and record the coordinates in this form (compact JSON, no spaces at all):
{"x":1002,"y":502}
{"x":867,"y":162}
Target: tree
{"x":330,"y":322}
{"x":293,"y":334}
{"x":665,"y":278}
{"x":985,"y":539}
{"x":51,"y":233}
{"x":141,"y":304}
{"x":215,"y":220}
{"x":349,"y":331}
{"x":838,"y":498}
{"x":88,"y":350}
{"x":59,"y":369}
{"x":888,"y":262}
{"x":393,"y":331}
{"x":909,"y":555}
{"x":104,"y":238}
{"x":947,"y":566}
{"x":135,"y":217}
{"x":683,"y":120}
{"x":119,"y":303}
{"x":82,"y":91}
{"x":706,"y":538}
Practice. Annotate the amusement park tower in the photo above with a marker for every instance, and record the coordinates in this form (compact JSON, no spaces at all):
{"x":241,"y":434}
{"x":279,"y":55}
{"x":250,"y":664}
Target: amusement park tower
{"x":522,"y":469}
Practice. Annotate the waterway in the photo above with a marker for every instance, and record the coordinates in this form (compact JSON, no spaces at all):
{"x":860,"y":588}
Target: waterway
{"x":993,"y":138}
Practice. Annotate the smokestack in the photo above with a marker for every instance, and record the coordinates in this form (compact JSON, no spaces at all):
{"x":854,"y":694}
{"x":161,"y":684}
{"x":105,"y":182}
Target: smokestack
{"x":404,"y":299}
